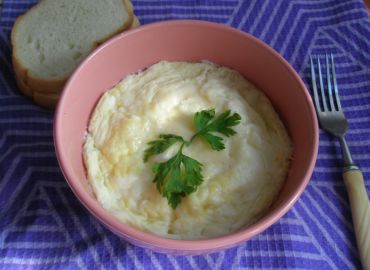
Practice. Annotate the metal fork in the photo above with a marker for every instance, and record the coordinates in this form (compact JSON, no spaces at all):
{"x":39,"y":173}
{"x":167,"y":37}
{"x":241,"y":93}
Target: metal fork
{"x":333,"y":120}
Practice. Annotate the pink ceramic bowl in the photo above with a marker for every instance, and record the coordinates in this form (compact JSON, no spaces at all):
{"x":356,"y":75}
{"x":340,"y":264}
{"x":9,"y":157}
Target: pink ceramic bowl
{"x":185,"y":41}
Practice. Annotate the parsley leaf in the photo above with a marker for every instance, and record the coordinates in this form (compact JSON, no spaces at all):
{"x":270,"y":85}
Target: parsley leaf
{"x":159,"y":146}
{"x":177,"y":177}
{"x":205,"y":124}
{"x":181,"y":175}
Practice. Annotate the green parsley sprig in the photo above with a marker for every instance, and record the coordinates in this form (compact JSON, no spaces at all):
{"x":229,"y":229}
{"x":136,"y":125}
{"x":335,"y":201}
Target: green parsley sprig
{"x":181,"y":175}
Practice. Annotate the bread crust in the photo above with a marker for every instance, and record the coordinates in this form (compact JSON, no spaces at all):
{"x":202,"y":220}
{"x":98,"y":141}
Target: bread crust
{"x":24,"y":88}
{"x":46,"y":86}
{"x":135,"y":23}
{"x":48,"y":101}
{"x":125,"y":26}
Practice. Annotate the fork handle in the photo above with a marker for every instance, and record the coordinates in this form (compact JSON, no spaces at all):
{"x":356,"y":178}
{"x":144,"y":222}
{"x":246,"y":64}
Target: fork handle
{"x":360,"y":208}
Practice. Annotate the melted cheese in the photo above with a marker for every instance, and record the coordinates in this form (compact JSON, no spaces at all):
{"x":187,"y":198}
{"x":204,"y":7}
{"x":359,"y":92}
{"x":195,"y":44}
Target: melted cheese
{"x":240,"y":182}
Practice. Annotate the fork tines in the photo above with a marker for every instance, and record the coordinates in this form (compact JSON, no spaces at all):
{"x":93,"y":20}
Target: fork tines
{"x":331,"y":93}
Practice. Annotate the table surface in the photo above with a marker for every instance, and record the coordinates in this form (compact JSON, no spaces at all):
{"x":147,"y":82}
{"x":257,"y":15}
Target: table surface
{"x":43,"y":226}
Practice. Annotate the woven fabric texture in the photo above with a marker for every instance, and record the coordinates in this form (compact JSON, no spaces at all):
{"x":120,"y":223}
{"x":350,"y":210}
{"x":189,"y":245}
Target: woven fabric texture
{"x":43,"y":225}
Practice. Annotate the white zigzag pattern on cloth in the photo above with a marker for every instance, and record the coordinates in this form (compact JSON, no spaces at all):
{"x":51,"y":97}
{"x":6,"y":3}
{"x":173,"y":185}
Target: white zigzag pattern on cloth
{"x":308,"y":23}
{"x":36,"y":261}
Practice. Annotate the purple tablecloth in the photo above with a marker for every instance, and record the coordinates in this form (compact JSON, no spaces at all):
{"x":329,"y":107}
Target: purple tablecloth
{"x":43,"y":226}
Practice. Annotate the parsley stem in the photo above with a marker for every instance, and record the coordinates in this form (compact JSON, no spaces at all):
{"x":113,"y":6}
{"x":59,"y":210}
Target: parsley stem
{"x":193,"y":137}
{"x":181,"y":175}
{"x":182,"y":145}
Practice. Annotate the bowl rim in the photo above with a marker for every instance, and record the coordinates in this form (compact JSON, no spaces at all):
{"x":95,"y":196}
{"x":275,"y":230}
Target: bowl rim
{"x":150,"y":239}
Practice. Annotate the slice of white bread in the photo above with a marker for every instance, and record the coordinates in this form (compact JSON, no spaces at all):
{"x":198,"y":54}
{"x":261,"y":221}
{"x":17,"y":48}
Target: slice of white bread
{"x":53,"y":37}
{"x":50,"y":99}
